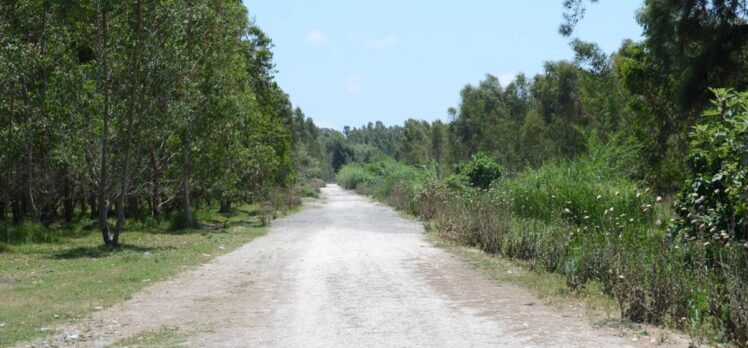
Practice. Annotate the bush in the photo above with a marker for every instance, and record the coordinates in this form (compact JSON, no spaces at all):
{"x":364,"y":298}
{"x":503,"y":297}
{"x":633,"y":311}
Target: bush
{"x":713,"y":212}
{"x":308,"y":192}
{"x":350,"y":176}
{"x":713,"y":202}
{"x":180,"y":222}
{"x":481,"y":171}
{"x":29,"y":232}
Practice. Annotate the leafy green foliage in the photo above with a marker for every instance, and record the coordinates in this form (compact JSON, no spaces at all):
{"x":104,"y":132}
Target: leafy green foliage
{"x":713,"y":203}
{"x":351,"y":176}
{"x":481,"y":170}
{"x":106,"y":108}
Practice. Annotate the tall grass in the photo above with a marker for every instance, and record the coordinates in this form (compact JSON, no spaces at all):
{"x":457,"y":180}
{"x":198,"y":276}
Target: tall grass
{"x":588,"y":220}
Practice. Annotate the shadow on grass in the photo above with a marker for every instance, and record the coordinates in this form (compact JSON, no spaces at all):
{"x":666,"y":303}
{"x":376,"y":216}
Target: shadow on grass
{"x":95,"y":252}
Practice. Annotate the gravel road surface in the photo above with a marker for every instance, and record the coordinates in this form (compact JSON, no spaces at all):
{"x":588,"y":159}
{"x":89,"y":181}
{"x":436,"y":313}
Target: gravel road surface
{"x":343,"y":272}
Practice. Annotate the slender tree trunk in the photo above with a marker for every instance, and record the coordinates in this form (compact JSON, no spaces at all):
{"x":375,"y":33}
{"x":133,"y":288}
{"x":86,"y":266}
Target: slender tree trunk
{"x":187,"y":206}
{"x":28,"y":190}
{"x":81,"y":198}
{"x":5,"y":215}
{"x":225,"y":206}
{"x":103,"y":192}
{"x":5,"y":226}
{"x":156,"y":191}
{"x":186,"y":140}
{"x":92,"y":203}
{"x":133,"y":207}
{"x":68,"y":203}
{"x":48,"y":209}
{"x":135,"y":61}
{"x":15,"y":207}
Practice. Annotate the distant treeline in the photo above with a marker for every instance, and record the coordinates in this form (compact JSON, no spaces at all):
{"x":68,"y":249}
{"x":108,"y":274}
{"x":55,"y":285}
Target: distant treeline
{"x":651,"y":91}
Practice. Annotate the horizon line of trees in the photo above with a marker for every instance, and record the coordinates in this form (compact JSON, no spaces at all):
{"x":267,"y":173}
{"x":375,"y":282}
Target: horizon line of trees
{"x":650,"y":92}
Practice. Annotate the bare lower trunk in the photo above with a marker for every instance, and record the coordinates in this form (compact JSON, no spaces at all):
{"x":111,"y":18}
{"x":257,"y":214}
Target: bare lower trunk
{"x":67,"y":200}
{"x":4,"y":208}
{"x":103,"y":218}
{"x":187,"y":206}
{"x":156,"y":191}
{"x":28,"y":190}
{"x":92,"y":204}
{"x":133,"y":208}
{"x":15,"y":207}
{"x":225,"y":206}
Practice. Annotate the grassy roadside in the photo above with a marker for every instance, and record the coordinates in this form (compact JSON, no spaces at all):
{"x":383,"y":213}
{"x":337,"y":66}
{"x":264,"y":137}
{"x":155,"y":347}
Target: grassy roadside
{"x":549,"y":287}
{"x":44,"y":285}
{"x":589,"y":302}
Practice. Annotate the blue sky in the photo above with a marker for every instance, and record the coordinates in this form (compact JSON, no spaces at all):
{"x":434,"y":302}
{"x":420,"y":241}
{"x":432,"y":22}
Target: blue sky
{"x":351,"y":62}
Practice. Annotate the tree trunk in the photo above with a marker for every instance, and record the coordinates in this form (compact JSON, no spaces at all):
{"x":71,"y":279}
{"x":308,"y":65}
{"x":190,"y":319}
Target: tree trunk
{"x":156,"y":191}
{"x":5,"y":218}
{"x":15,"y":207}
{"x":133,"y":208}
{"x":135,"y":60}
{"x":103,"y":192}
{"x":82,"y":197}
{"x":92,"y":204}
{"x":67,"y":200}
{"x":186,"y":205}
{"x":28,"y":190}
{"x":225,"y":206}
{"x":186,"y":141}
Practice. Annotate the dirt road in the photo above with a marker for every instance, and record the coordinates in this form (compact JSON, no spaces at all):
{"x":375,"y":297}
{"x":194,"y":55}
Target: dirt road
{"x":344,"y":272}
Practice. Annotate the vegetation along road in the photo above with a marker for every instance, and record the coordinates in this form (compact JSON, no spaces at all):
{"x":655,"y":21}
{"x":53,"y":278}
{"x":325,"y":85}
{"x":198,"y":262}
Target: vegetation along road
{"x":345,"y":271}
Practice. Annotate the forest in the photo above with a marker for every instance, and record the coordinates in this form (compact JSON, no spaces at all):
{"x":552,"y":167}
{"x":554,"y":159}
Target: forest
{"x":626,"y":169}
{"x":114,"y":111}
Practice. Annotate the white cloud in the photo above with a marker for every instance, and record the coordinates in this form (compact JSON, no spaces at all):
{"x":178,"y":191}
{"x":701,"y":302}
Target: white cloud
{"x":385,"y":42}
{"x":316,"y":37}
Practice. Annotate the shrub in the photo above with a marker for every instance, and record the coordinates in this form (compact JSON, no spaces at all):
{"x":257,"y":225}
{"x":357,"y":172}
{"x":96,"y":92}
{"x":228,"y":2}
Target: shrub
{"x":481,"y":170}
{"x":179,"y":221}
{"x":713,"y":213}
{"x":29,"y":232}
{"x":352,"y":175}
{"x":713,"y":202}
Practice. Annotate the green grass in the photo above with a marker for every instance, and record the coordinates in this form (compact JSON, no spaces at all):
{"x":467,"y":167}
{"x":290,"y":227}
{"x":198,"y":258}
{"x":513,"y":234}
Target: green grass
{"x":591,"y":301}
{"x":593,"y":225}
{"x":547,"y":286}
{"x":166,"y":336}
{"x":46,"y":284}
